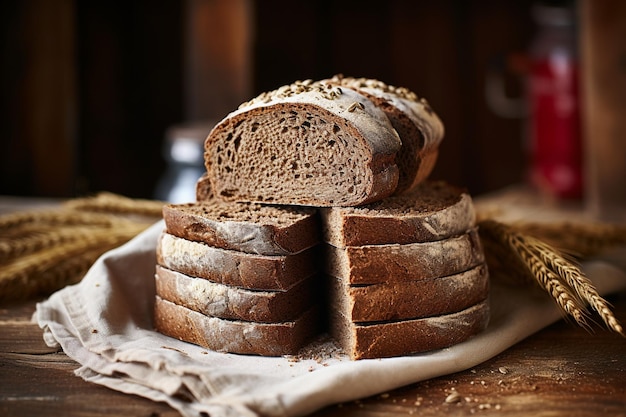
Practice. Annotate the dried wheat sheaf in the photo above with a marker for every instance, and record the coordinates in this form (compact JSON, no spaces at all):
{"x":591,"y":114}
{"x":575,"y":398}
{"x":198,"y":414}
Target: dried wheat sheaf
{"x":44,"y":250}
{"x":548,"y":255}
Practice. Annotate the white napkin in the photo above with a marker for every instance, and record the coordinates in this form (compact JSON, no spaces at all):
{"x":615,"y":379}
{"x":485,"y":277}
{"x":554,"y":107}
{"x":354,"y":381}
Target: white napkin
{"x":105,"y":324}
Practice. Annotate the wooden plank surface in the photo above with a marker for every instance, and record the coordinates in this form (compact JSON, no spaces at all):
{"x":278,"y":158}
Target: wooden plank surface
{"x":562,"y":370}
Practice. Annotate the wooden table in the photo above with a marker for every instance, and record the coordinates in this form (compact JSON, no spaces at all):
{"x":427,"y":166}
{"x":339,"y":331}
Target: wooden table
{"x":561,"y":371}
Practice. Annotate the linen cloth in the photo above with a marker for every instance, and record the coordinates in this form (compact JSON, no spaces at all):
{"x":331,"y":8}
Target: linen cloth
{"x":105,"y":324}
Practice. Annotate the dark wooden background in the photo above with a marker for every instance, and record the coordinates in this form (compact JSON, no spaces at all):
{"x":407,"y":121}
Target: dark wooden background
{"x":88,"y":89}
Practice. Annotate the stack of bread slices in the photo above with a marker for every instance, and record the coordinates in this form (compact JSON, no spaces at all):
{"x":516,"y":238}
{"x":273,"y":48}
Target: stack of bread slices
{"x":316,"y":215}
{"x":405,"y":274}
{"x":239,"y":277}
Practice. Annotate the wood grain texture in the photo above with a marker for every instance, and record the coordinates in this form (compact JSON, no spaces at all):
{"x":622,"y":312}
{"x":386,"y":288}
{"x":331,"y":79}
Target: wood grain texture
{"x":36,"y":380}
{"x":560,"y":371}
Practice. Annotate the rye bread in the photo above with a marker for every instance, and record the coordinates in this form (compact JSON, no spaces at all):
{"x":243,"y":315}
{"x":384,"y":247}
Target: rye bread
{"x":374,"y":264}
{"x":308,"y":143}
{"x":405,"y":337}
{"x":203,"y":188}
{"x":411,"y":299}
{"x":235,"y":336}
{"x":247,"y":227}
{"x":420,"y":129}
{"x":434,"y":210}
{"x":252,"y":271}
{"x":234,"y":303}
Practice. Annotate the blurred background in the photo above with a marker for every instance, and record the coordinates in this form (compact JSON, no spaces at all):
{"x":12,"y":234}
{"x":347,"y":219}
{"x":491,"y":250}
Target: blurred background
{"x":94,"y":92}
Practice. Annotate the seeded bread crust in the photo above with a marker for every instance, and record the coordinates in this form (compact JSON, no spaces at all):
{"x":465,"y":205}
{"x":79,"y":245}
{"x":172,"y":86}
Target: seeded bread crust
{"x":434,"y":210}
{"x":228,"y":302}
{"x":261,"y":272}
{"x":399,"y":338}
{"x":266,"y":339}
{"x":411,"y":299}
{"x":420,"y":129}
{"x":375,"y":264}
{"x":246,"y":227}
{"x":308,"y":143}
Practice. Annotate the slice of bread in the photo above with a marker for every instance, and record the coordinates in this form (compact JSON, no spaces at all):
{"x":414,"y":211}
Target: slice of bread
{"x":411,"y":299}
{"x":308,"y":143}
{"x":252,"y":271}
{"x":228,"y":302}
{"x":267,"y":339}
{"x":374,"y":264}
{"x":420,"y":129}
{"x":434,"y":210}
{"x":398,"y":338}
{"x":203,"y":188}
{"x":246,"y":227}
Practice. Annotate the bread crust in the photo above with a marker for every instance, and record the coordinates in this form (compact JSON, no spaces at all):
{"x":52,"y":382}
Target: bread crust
{"x":433,"y":211}
{"x":411,"y":299}
{"x":261,"y":272}
{"x":203,"y":188}
{"x":246,"y":227}
{"x":228,"y":302}
{"x":399,"y":338}
{"x":374,"y":264}
{"x":267,"y":339}
{"x":420,"y":129}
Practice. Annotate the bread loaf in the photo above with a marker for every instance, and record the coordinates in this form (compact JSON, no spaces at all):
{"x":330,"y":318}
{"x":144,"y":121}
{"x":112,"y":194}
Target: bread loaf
{"x":246,"y":227}
{"x":309,"y":143}
{"x":261,"y":272}
{"x":418,"y":126}
{"x":410,"y":299}
{"x":404,"y":270}
{"x":372,"y":264}
{"x":228,"y":302}
{"x":267,"y":339}
{"x":434,"y":210}
{"x":398,"y":338}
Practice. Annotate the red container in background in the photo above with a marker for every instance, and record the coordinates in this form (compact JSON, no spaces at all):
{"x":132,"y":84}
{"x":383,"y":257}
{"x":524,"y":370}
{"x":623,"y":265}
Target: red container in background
{"x":554,"y":100}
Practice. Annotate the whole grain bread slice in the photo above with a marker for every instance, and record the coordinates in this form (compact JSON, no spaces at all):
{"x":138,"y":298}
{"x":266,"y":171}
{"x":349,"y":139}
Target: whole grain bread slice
{"x":420,"y":129}
{"x":247,"y":227}
{"x":405,"y":337}
{"x":375,"y":264}
{"x":235,"y":336}
{"x":252,"y":271}
{"x":308,"y":143}
{"x":411,"y":299}
{"x":203,"y":188}
{"x":434,"y":210}
{"x":234,"y":303}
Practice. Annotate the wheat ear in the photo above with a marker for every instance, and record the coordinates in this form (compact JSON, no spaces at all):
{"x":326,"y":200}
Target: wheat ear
{"x":59,"y":265}
{"x":575,"y":279}
{"x":580,"y":239}
{"x":114,"y":203}
{"x":11,"y":221}
{"x":32,"y":238}
{"x":551,"y":269}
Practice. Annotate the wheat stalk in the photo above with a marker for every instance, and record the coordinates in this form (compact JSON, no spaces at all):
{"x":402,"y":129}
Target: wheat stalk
{"x":580,"y":239}
{"x":549,"y":268}
{"x":32,"y":238}
{"x":44,"y":250}
{"x":36,"y":282}
{"x":56,"y":266}
{"x":12,"y":221}
{"x":574,"y":277}
{"x":114,"y":203}
{"x":566,"y":297}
